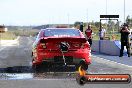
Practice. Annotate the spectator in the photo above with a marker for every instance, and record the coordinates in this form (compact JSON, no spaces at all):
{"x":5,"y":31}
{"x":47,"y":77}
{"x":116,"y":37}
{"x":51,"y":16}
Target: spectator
{"x":88,"y":33}
{"x":125,"y":39}
{"x":102,"y":33}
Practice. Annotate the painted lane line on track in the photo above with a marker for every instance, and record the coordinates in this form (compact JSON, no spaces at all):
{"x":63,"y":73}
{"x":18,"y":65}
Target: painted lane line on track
{"x":2,"y":48}
{"x":56,"y":79}
{"x":47,"y":79}
{"x":112,"y":61}
{"x":28,"y":76}
{"x":11,"y":43}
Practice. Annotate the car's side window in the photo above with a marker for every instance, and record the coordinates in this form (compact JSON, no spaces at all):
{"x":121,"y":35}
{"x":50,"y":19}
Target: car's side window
{"x":38,"y":36}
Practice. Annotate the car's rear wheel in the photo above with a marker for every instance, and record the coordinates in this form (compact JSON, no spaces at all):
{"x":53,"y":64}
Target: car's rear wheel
{"x":35,"y":67}
{"x":82,"y":64}
{"x":40,"y":67}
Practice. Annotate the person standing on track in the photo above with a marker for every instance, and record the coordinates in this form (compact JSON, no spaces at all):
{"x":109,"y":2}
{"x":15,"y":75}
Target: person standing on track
{"x":125,"y":39}
{"x":88,"y":33}
{"x":102,"y":33}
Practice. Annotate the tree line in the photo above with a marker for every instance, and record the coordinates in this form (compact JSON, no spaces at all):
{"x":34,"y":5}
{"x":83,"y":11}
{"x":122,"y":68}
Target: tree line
{"x":110,"y":25}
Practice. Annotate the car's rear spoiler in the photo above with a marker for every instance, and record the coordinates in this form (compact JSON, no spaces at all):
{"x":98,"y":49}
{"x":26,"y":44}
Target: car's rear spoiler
{"x":44,"y":40}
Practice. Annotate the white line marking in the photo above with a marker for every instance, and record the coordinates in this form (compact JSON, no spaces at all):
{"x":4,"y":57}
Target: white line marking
{"x":2,"y":48}
{"x":113,"y":61}
{"x":47,"y":79}
{"x":55,"y":79}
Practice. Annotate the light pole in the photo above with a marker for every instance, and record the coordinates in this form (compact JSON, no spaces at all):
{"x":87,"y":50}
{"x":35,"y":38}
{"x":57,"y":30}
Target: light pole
{"x":106,"y":14}
{"x":0,"y":40}
{"x":68,"y":18}
{"x":124,"y":10}
{"x":106,"y":7}
{"x":87,"y":14}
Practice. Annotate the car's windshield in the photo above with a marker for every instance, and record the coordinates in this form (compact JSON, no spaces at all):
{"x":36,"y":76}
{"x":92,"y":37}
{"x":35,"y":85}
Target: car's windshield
{"x":61,"y":32}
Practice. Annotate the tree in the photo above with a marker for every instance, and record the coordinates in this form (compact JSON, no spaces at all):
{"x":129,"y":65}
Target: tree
{"x":111,"y":25}
{"x":76,"y":23}
{"x":128,"y":20}
{"x":97,"y":24}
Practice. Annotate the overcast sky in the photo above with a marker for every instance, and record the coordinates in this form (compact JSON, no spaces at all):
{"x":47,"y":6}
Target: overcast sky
{"x":37,"y":12}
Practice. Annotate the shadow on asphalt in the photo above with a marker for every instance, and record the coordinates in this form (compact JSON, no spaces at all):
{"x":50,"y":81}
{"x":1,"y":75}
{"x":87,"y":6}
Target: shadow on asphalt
{"x":26,"y":72}
{"x":28,"y":69}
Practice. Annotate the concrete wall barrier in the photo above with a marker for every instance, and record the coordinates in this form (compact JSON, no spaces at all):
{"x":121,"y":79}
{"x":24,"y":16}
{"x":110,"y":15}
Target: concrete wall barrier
{"x":106,"y":47}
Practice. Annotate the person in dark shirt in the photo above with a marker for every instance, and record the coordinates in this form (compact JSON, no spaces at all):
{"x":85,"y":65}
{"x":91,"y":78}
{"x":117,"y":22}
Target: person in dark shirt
{"x":125,"y":40}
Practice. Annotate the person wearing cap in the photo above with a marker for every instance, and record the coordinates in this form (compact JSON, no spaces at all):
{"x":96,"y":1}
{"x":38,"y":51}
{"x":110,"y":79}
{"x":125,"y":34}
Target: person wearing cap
{"x":88,"y":33}
{"x":102,"y":33}
{"x":125,"y":39}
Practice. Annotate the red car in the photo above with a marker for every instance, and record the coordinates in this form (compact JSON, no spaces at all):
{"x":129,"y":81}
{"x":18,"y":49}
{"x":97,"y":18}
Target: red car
{"x":66,"y":46}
